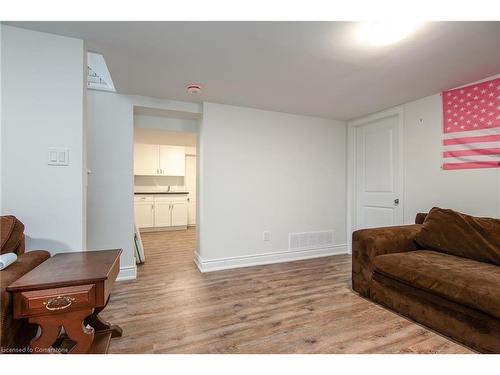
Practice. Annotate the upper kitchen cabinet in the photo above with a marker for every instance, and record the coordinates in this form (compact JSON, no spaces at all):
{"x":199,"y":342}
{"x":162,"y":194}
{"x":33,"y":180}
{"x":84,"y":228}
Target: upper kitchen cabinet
{"x":146,"y":159}
{"x":172,"y":161}
{"x":159,"y":160}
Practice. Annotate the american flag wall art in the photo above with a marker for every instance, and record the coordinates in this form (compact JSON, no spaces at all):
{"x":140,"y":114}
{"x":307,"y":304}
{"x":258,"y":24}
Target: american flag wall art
{"x":471,"y":126}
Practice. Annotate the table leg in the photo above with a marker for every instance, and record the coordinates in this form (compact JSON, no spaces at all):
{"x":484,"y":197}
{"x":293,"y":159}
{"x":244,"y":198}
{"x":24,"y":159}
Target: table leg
{"x":100,"y":325}
{"x":47,"y":335}
{"x":78,"y":332}
{"x":73,"y":323}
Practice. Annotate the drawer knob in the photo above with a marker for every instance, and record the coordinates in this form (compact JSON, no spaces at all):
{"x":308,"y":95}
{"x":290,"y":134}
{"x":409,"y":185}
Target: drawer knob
{"x":58,"y":303}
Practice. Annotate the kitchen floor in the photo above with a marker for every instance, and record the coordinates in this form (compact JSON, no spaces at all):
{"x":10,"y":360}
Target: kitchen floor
{"x":297,"y":307}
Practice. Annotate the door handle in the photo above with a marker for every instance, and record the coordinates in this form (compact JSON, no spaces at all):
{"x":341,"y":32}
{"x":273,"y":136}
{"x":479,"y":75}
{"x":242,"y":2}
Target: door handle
{"x":396,"y":202}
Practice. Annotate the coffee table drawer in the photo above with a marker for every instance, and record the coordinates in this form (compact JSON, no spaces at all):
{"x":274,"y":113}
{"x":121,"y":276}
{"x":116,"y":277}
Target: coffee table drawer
{"x":54,"y":301}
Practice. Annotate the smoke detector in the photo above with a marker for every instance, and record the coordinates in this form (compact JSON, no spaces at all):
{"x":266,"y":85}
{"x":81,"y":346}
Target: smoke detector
{"x":194,"y":89}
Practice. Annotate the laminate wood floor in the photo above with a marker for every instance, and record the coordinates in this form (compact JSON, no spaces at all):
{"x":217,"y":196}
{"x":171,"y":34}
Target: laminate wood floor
{"x":297,"y":307}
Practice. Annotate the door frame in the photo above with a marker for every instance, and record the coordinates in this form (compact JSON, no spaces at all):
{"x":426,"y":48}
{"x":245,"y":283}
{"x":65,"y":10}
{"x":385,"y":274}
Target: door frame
{"x":195,"y":156}
{"x":352,"y":127}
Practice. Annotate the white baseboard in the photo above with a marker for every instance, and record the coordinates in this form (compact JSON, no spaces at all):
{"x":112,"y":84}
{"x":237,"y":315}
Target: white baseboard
{"x":127,"y":273}
{"x":268,"y":258}
{"x":163,"y":229}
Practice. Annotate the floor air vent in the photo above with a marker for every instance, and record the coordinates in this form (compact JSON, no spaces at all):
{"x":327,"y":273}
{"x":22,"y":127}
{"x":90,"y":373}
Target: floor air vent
{"x":310,"y":240}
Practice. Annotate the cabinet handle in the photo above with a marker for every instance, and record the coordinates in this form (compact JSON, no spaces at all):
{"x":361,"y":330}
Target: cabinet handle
{"x":58,"y":303}
{"x":152,"y":207}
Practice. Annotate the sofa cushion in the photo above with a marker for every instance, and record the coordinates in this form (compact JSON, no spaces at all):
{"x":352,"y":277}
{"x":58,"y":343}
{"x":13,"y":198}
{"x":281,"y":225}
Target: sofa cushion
{"x":24,"y":263}
{"x":464,"y":281}
{"x":462,"y":235}
{"x":11,"y":235}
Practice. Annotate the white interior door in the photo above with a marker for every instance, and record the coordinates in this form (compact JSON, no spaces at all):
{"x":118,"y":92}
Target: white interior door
{"x":146,"y":159}
{"x":190,"y":185}
{"x":378,"y":185}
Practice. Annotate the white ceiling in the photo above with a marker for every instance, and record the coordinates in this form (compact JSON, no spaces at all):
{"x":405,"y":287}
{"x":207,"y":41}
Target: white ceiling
{"x":312,"y":68}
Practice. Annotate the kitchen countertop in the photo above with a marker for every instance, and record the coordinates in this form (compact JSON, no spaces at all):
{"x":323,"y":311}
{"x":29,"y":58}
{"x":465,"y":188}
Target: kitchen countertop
{"x":161,"y":192}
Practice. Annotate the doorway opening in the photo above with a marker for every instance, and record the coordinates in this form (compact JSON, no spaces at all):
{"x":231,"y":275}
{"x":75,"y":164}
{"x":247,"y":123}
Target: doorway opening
{"x":165,"y":185}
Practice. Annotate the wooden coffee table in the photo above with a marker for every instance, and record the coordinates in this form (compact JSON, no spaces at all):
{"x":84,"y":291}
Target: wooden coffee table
{"x":68,"y":291}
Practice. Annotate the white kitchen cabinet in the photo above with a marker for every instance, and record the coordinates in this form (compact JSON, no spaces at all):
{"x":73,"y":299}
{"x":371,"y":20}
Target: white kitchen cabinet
{"x":179,"y":214}
{"x":160,"y":211}
{"x":159,"y":160}
{"x":144,"y":211}
{"x":146,"y":159}
{"x":163,"y":214}
{"x":172,"y":161}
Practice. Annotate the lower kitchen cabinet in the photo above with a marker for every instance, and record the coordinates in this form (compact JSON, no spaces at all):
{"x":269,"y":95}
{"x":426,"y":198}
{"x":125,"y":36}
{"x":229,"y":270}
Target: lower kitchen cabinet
{"x":160,"y":211}
{"x":144,"y":212}
{"x":179,"y":213}
{"x":163,"y":214}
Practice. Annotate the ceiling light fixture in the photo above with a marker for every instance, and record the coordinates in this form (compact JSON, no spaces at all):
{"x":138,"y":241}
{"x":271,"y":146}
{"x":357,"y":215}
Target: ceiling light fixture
{"x":384,"y":33}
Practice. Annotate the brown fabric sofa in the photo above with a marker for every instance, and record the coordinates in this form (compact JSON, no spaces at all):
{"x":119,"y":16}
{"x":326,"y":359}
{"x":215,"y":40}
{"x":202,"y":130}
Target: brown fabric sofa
{"x":442,"y":272}
{"x":15,"y":333}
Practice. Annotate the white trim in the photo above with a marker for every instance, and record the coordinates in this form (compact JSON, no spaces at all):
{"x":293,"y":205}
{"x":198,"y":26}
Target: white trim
{"x":351,"y":167}
{"x":163,"y":229}
{"x":127,"y":273}
{"x":197,"y":260}
{"x":267,"y":258}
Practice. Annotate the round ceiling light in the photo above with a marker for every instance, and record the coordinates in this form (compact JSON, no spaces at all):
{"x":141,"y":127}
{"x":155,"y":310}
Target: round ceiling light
{"x":384,"y":33}
{"x":194,"y":89}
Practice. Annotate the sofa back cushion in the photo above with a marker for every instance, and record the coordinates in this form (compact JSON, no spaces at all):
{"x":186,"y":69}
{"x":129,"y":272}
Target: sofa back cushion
{"x":11,"y":235}
{"x":462,"y":235}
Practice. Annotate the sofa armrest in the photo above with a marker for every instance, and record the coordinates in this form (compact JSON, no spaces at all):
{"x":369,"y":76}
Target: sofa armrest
{"x":420,"y":218}
{"x":14,"y":332}
{"x":368,"y":243}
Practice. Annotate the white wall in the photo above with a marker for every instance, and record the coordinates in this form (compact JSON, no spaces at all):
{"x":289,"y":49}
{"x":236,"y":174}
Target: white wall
{"x":43,"y":86}
{"x":111,"y":182}
{"x":166,"y":123}
{"x":166,"y":137}
{"x":267,"y":171}
{"x":473,"y":191}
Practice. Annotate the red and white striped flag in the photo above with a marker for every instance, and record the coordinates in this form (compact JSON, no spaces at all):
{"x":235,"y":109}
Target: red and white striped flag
{"x":471,"y":126}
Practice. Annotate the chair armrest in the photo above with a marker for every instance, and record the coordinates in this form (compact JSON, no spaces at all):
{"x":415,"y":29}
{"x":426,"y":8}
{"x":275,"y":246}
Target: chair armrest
{"x":368,"y":243}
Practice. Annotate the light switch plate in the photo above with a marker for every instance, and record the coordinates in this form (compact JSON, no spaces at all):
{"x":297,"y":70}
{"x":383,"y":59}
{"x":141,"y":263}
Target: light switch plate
{"x":58,"y":156}
{"x":266,"y":236}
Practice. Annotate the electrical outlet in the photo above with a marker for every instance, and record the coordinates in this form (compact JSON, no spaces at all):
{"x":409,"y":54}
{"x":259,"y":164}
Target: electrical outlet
{"x":265,"y":236}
